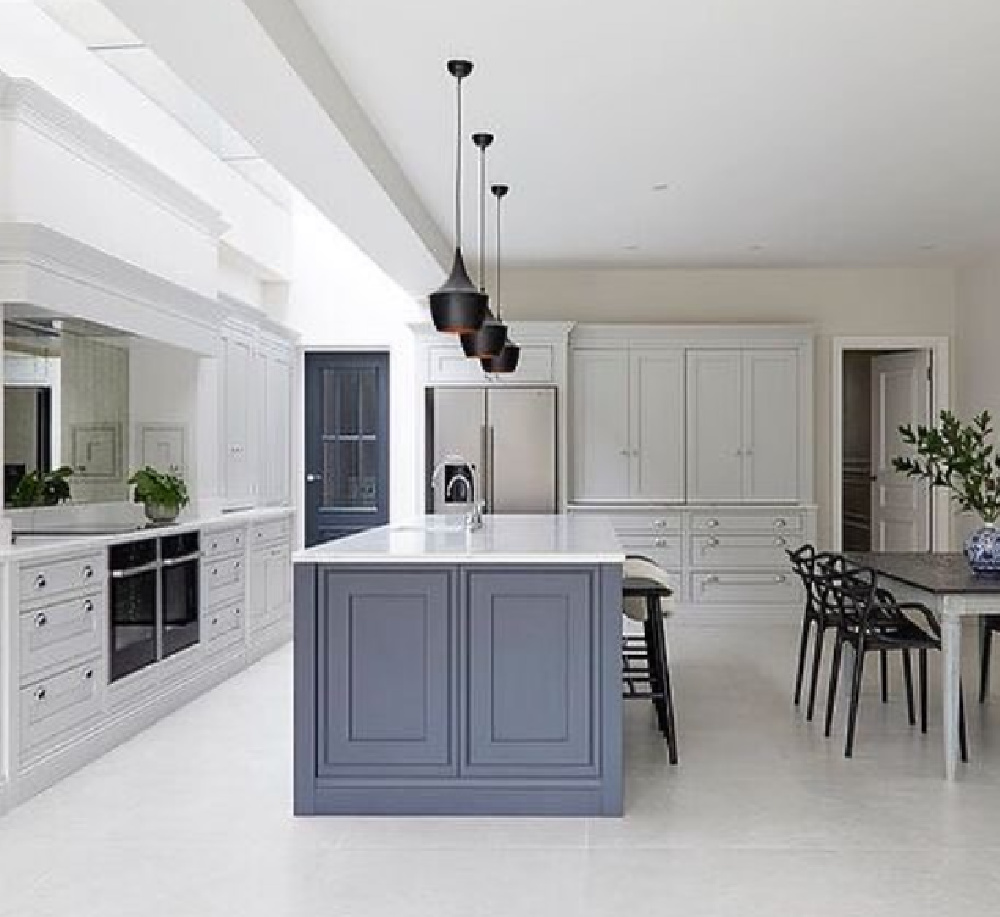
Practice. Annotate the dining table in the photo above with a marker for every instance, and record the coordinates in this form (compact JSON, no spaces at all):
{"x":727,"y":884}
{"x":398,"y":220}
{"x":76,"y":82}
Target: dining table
{"x":946,"y":584}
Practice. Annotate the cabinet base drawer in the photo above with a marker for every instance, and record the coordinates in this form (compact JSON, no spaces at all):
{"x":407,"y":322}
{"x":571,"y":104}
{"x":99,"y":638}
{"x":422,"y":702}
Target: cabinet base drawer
{"x":223,"y":581}
{"x":742,"y":588}
{"x":759,"y":520}
{"x":741,"y":552}
{"x":222,"y":627}
{"x":55,"y":634}
{"x":40,"y":582}
{"x":223,"y":542}
{"x":663,"y":550}
{"x":57,"y":706}
{"x":278,"y":530}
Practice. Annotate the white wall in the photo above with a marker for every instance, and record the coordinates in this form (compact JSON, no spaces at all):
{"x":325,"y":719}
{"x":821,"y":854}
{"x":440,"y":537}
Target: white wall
{"x":340,"y":300}
{"x":33,"y":46}
{"x":838,"y":302}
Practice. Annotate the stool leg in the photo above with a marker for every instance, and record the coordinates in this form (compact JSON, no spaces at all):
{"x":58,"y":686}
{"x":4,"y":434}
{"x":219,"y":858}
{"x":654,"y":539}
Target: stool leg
{"x":883,"y":671}
{"x":668,"y":694}
{"x":923,"y":691}
{"x":653,"y":663}
{"x":908,"y":683}
{"x":985,"y":648}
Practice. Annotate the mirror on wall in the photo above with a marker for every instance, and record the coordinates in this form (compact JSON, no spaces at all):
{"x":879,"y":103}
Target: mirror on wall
{"x":66,"y":411}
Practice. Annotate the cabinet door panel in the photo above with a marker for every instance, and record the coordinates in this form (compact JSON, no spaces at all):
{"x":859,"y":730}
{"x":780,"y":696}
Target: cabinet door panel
{"x":600,"y":390}
{"x":236,"y":418}
{"x":714,"y":425}
{"x":530,"y":671}
{"x":384,"y":677}
{"x":657,"y":409}
{"x":771,"y":438}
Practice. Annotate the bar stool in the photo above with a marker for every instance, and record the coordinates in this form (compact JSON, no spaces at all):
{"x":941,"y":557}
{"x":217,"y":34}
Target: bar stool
{"x":645,"y":672}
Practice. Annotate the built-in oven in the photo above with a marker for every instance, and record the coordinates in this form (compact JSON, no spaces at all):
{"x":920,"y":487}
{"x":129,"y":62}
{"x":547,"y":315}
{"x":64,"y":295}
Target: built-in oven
{"x":133,"y":616}
{"x":180,"y":572}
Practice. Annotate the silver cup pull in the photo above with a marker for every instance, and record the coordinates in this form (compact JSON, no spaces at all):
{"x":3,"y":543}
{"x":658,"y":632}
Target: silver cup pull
{"x":40,"y":694}
{"x":41,"y":619}
{"x":88,"y":572}
{"x":88,"y":606}
{"x":40,"y":581}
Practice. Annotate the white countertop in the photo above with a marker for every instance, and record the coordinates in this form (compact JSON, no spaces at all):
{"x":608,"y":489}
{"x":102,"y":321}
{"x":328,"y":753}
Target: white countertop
{"x":502,"y":539}
{"x":31,"y":548}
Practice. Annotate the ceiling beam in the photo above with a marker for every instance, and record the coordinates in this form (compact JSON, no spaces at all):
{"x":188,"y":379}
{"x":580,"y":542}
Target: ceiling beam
{"x":257,"y":63}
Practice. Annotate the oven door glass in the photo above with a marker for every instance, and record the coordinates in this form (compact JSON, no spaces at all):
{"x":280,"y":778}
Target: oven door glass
{"x":133,"y":623}
{"x":180,"y":605}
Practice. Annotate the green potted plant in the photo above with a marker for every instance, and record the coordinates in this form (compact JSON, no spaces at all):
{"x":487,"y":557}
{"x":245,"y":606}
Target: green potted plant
{"x":961,"y":457}
{"x":43,"y":488}
{"x":163,"y":495}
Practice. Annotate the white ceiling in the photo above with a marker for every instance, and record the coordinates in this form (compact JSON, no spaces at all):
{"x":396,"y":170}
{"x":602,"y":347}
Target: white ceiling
{"x":786,"y":131}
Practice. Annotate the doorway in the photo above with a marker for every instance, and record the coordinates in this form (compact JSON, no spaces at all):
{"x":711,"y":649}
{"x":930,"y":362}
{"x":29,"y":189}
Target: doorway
{"x":877,"y":389}
{"x":346,"y":444}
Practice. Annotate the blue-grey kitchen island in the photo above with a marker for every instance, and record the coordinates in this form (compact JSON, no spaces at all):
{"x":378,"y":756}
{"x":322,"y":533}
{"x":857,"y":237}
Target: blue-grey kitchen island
{"x":456,"y":672}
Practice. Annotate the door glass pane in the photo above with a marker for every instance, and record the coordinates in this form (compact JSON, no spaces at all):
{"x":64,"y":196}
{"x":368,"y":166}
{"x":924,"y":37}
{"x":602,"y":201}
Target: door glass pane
{"x":348,"y":402}
{"x":368,"y":393}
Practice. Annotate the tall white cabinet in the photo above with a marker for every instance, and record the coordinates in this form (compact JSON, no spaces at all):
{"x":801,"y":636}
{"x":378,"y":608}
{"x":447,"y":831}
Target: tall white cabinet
{"x":697,"y":441}
{"x":627,"y":421}
{"x":743,"y":425}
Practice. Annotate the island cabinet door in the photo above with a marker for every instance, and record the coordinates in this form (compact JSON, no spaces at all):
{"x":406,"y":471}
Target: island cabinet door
{"x":385,"y":676}
{"x":531,"y":673}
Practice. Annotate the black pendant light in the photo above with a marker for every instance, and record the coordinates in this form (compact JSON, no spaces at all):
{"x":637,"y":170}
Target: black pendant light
{"x":458,"y":306}
{"x":488,"y":341}
{"x":506,"y":360}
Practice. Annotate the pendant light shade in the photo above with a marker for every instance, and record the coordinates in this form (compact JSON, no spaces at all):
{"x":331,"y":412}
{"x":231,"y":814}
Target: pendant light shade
{"x":489,"y":340}
{"x":506,"y":361}
{"x":458,"y":306}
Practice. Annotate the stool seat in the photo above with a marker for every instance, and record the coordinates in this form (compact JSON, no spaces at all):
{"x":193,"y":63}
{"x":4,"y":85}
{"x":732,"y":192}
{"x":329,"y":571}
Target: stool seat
{"x":644,"y":579}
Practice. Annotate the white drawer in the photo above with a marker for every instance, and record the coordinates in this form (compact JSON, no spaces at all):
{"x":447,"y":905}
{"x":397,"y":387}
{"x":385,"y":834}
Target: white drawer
{"x":664,"y":550}
{"x":223,"y":580}
{"x":223,"y":626}
{"x":745,"y":589}
{"x":59,"y":705}
{"x":762,"y":521}
{"x":39,"y":582}
{"x":56,"y":634}
{"x":222,"y":542}
{"x":645,"y":523}
{"x":725,"y":551}
{"x":265,"y":532}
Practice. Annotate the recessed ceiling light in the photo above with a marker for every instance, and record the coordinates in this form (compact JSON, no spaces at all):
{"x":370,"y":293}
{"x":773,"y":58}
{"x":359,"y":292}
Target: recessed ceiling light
{"x":755,"y":248}
{"x":661,"y":186}
{"x":630,"y":248}
{"x":928,"y":247}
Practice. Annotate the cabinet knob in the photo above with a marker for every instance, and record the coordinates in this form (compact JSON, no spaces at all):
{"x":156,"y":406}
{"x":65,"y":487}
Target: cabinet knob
{"x":712,"y":580}
{"x":779,"y":523}
{"x":712,"y":523}
{"x":215,"y":546}
{"x":659,"y":523}
{"x":780,"y":542}
{"x":713,"y":542}
{"x":88,"y":675}
{"x":660,"y":542}
{"x":215,"y":621}
{"x":40,"y":694}
{"x":88,"y":572}
{"x":780,"y":577}
{"x":40,"y":619}
{"x":88,"y":606}
{"x":626,"y":452}
{"x":40,"y":581}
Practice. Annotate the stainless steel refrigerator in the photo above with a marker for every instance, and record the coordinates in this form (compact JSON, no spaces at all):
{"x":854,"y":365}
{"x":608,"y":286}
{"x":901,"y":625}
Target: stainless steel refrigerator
{"x":508,"y":434}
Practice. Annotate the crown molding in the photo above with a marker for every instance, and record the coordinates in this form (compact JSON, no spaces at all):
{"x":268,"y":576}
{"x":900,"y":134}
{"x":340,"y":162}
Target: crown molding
{"x":255,"y":318}
{"x":25,"y":102}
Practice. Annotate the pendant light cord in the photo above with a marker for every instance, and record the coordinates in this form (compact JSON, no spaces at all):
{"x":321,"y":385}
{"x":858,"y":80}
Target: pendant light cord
{"x":458,"y":166}
{"x":482,"y":219}
{"x":496,"y":289}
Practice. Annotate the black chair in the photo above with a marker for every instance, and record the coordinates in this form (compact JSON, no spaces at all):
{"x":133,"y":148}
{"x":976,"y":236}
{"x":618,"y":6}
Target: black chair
{"x":991,"y":625}
{"x":820,"y":613}
{"x":645,"y":670}
{"x":871,"y":620}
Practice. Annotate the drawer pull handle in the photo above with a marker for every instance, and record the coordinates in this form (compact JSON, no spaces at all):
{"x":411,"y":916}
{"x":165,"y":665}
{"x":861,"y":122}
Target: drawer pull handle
{"x":780,"y":542}
{"x":88,"y":572}
{"x":712,"y":523}
{"x":40,"y":694}
{"x":215,"y":622}
{"x":660,"y":542}
{"x":215,"y":546}
{"x":711,"y":581}
{"x":88,"y":606}
{"x":713,"y":542}
{"x":40,"y":581}
{"x":88,"y":675}
{"x":40,"y":619}
{"x":659,"y":523}
{"x":237,"y":611}
{"x":215,"y":571}
{"x":237,"y":565}
{"x":780,"y":523}
{"x":780,"y":577}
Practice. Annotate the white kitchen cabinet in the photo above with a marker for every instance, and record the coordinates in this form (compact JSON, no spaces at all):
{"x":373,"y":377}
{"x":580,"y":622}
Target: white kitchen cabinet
{"x":275,"y":444}
{"x":628,"y":424}
{"x":743,"y":433}
{"x":238,"y":397}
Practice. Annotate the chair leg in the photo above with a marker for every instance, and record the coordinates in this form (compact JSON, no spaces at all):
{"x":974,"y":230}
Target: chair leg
{"x":963,"y":739}
{"x":655,"y":676}
{"x":852,"y":717}
{"x":883,"y":671}
{"x":814,"y":676}
{"x":838,"y":650}
{"x":908,"y":682}
{"x":923,"y":691}
{"x":668,"y":696}
{"x":803,"y":646}
{"x":984,"y":675}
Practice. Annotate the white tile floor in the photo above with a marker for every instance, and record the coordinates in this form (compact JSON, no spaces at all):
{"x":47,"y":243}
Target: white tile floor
{"x":763,"y":816}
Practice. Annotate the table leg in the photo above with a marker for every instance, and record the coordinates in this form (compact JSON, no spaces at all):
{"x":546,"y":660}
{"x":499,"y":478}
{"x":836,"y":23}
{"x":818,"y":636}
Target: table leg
{"x":951,"y":672}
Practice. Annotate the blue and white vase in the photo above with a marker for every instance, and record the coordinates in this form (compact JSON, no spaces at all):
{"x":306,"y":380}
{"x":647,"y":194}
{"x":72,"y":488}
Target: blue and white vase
{"x":982,"y":550}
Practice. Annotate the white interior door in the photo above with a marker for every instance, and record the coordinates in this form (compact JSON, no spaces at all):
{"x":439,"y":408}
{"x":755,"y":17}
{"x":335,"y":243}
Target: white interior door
{"x":900,"y":506}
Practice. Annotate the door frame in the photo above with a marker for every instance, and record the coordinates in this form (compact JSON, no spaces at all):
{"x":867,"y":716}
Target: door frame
{"x":298,"y":429}
{"x":940,"y":348}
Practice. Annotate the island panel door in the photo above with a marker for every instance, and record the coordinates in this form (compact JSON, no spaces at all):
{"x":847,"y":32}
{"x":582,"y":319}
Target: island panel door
{"x":385,"y":698}
{"x":531,"y":671}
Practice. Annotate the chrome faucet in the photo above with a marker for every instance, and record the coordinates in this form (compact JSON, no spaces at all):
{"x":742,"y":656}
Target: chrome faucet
{"x":473,"y":518}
